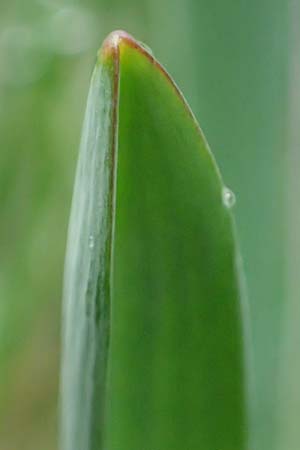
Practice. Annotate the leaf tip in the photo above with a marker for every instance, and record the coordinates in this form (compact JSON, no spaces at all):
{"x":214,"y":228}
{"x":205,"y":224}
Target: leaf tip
{"x":111,"y":44}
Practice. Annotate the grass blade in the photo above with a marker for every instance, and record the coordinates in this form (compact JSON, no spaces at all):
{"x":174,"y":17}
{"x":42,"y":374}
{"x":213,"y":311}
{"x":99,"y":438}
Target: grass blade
{"x":154,"y":340}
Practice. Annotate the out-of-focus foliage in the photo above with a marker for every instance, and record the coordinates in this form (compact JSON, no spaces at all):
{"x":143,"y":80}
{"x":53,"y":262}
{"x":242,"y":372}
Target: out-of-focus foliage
{"x":232,"y":60}
{"x":289,"y":392}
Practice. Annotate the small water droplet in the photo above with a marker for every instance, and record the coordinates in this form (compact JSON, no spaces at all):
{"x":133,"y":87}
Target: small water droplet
{"x":146,"y":47}
{"x":228,"y":197}
{"x":91,"y":242}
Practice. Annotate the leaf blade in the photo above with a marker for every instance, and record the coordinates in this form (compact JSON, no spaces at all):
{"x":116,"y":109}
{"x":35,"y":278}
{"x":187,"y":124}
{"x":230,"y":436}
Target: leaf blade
{"x":175,"y":333}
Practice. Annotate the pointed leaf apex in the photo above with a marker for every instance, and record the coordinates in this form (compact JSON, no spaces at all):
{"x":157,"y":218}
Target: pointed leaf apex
{"x":111,"y":44}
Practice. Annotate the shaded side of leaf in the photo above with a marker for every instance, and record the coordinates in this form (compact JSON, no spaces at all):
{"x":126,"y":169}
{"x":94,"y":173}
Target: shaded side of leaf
{"x":87,"y":285}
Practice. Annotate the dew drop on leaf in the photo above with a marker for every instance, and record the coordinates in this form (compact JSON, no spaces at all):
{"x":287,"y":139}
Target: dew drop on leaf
{"x":228,"y":197}
{"x":91,"y":242}
{"x":146,"y":47}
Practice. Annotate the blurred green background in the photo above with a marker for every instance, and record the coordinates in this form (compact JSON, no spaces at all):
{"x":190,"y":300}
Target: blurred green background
{"x":237,"y":63}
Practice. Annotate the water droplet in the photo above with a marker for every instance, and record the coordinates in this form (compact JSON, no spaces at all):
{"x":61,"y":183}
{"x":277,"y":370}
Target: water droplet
{"x":228,"y":198}
{"x":91,"y":242}
{"x":146,"y":47}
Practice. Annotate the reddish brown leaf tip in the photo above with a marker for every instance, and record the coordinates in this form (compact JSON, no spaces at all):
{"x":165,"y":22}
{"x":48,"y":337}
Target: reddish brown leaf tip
{"x":110,"y":46}
{"x":110,"y":53}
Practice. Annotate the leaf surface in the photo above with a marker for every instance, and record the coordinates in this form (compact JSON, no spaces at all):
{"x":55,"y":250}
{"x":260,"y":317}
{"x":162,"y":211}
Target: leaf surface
{"x":154,"y":335}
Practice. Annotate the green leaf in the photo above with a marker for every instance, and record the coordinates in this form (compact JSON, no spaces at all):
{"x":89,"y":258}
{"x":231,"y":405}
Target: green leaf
{"x":154,"y":344}
{"x":234,"y":68}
